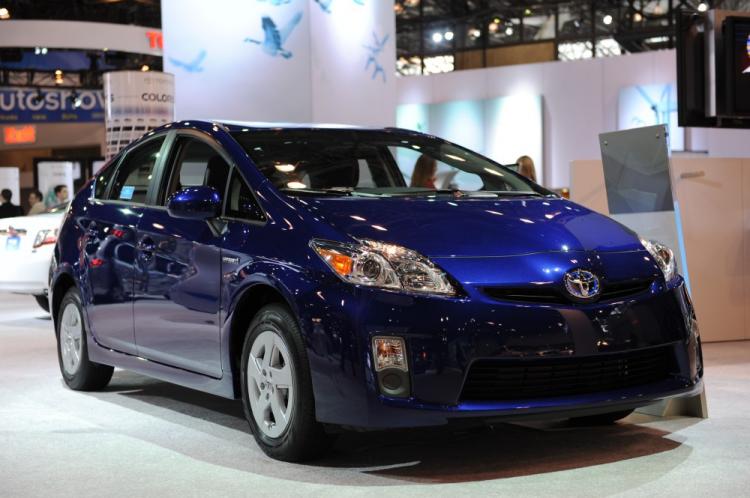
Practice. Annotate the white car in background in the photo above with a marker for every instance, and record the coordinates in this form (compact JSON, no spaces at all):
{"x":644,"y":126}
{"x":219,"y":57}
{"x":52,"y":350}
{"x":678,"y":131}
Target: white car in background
{"x":26,"y":245}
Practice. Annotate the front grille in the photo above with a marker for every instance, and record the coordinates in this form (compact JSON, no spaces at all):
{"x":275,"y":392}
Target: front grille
{"x":514,"y":379}
{"x":554,"y":295}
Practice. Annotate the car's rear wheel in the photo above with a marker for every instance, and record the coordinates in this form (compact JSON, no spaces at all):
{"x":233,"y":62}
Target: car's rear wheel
{"x":78,"y":372}
{"x":601,"y":419}
{"x":43,"y":302}
{"x":277,"y":389}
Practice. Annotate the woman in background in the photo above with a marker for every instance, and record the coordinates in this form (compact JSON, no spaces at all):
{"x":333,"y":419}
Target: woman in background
{"x":424,"y":173}
{"x":526,"y":168}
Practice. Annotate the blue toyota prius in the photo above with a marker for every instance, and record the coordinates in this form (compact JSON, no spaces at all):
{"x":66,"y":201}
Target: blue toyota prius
{"x":371,"y":278}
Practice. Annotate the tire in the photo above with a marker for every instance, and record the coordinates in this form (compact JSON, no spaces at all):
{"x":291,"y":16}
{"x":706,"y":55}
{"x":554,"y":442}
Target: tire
{"x":280,"y":411}
{"x":601,"y":419}
{"x":42,"y":302}
{"x":79,"y":373}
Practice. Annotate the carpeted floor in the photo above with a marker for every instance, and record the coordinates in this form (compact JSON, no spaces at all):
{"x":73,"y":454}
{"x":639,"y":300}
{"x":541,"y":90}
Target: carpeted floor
{"x":142,"y":437}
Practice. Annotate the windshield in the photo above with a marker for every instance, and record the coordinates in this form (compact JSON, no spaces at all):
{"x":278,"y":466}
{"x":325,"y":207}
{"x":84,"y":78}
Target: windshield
{"x":362,"y":162}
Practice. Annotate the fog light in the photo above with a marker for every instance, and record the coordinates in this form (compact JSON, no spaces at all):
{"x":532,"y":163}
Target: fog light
{"x":389,"y":352}
{"x":391,"y":366}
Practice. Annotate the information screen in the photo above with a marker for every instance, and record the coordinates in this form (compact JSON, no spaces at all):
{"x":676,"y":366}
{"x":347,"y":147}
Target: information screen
{"x":738,"y":31}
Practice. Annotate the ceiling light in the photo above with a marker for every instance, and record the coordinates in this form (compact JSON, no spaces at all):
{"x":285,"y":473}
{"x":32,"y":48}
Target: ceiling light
{"x":40,"y":50}
{"x":4,"y":13}
{"x":527,"y":12}
{"x":493,"y":27}
{"x":145,"y":68}
{"x":702,"y":7}
{"x":475,"y":33}
{"x":285,"y":168}
{"x":296,"y":185}
{"x":448,"y":35}
{"x":637,"y":17}
{"x":509,"y":31}
{"x":607,"y":19}
{"x":437,"y":37}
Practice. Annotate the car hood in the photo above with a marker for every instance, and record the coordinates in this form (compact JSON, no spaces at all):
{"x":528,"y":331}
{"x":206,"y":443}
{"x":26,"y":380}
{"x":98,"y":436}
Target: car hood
{"x":449,"y":227}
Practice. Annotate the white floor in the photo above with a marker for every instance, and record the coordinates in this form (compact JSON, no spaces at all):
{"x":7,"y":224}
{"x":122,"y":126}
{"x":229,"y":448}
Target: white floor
{"x":143,"y":438}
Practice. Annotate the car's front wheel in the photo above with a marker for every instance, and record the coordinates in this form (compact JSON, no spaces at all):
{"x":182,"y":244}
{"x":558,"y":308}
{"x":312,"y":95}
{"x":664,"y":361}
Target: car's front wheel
{"x":78,"y":371}
{"x":277,"y":389}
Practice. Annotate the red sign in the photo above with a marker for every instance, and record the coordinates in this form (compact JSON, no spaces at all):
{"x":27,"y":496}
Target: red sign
{"x":155,"y":39}
{"x":19,"y":134}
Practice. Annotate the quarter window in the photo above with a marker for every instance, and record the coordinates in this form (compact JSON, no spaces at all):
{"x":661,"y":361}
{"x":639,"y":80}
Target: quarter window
{"x":134,"y":174}
{"x":103,"y":180}
{"x":241,"y":203}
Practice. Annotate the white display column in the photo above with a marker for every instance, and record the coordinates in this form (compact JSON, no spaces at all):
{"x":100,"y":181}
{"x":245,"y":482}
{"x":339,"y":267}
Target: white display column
{"x":282,"y":60}
{"x":135,"y":103}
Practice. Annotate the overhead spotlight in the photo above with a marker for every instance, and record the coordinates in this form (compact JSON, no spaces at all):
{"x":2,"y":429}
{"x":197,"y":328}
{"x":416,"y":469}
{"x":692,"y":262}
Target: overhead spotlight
{"x":509,"y":31}
{"x":637,"y":17}
{"x":76,"y":100}
{"x":702,"y":7}
{"x":493,"y":27}
{"x":145,"y":68}
{"x":398,"y":8}
{"x":527,"y":12}
{"x":4,"y":13}
{"x":607,"y":19}
{"x":58,"y":76}
{"x":448,"y":35}
{"x":475,"y":33}
{"x":437,"y":37}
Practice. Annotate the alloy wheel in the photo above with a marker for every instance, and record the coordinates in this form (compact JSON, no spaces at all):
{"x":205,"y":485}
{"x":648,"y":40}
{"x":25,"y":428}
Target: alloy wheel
{"x":270,"y":383}
{"x":71,"y":338}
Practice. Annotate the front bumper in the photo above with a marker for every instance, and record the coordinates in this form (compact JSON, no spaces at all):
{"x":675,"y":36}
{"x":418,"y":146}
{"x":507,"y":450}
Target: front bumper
{"x":445,"y":337}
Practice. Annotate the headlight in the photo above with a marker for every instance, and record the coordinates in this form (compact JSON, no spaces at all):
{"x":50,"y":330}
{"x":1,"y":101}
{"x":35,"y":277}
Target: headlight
{"x":377,"y":264}
{"x":664,"y":257}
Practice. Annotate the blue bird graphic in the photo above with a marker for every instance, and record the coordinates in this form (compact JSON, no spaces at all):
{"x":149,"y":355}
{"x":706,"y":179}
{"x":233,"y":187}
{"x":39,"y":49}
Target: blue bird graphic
{"x":190,"y":67}
{"x":274,"y":38}
{"x":372,"y":57}
{"x":326,"y":4}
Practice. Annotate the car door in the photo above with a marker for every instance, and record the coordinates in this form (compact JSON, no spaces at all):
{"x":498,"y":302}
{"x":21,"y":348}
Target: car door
{"x":108,"y":257}
{"x":177,"y":295}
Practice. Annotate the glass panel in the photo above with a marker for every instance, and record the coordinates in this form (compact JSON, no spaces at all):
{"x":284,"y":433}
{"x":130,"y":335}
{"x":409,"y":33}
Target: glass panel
{"x":341,"y":162}
{"x":240,"y":202}
{"x":134,"y":174}
{"x":197,"y":164}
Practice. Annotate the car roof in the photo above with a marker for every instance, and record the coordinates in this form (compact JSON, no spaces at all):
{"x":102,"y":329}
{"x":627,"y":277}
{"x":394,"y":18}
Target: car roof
{"x":233,"y":126}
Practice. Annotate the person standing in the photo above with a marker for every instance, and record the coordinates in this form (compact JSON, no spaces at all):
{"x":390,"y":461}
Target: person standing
{"x":57,"y":196}
{"x":36,"y":203}
{"x":7,"y":208}
{"x":526,"y":168}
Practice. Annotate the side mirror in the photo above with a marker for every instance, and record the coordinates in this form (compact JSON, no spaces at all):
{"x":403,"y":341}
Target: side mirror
{"x":195,"y":203}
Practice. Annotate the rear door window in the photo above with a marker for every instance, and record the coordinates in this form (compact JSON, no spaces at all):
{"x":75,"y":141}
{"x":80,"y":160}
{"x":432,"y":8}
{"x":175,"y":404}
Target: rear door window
{"x":134,"y":174}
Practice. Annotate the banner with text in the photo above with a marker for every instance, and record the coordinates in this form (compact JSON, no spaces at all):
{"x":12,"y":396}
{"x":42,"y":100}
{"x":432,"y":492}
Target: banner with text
{"x":50,"y":105}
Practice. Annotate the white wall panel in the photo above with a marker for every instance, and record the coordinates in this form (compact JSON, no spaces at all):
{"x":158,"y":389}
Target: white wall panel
{"x":580,"y":101}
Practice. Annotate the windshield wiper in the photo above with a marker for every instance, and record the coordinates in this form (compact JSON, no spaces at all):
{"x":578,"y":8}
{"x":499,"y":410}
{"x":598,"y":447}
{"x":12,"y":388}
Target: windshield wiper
{"x":344,"y":191}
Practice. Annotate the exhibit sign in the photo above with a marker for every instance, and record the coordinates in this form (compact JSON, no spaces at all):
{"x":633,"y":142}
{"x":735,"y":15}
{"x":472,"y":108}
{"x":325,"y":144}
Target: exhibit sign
{"x":502,"y":128}
{"x":136,"y":102}
{"x":10,"y":178}
{"x":51,"y":174}
{"x":289,"y":61}
{"x":50,"y":105}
